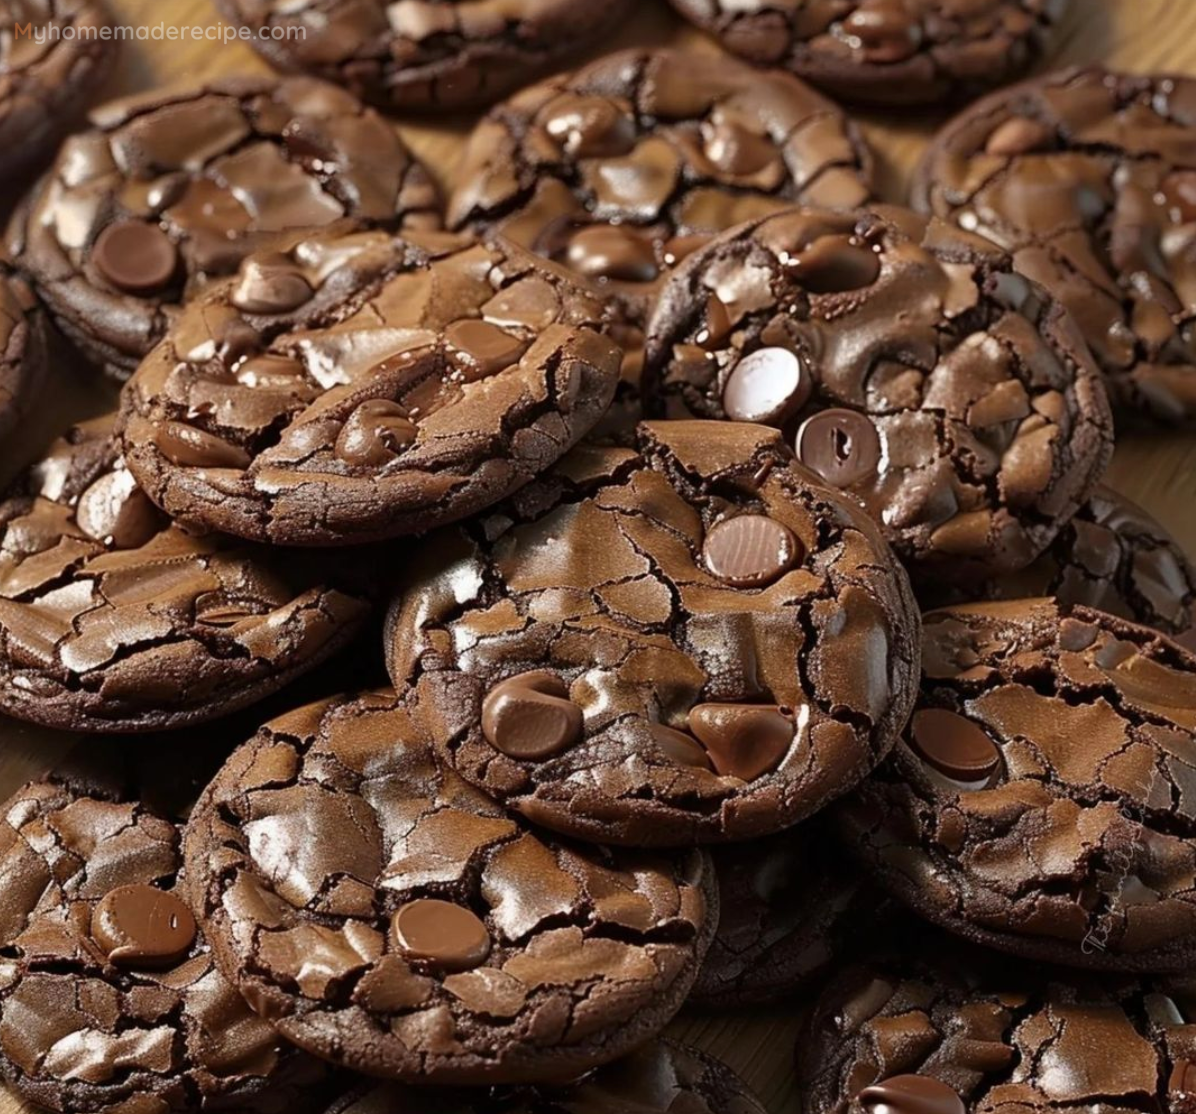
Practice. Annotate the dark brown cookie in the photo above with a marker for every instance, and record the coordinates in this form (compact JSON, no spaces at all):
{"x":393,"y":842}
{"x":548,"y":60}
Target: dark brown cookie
{"x":52,"y":60}
{"x":167,"y":191}
{"x":1089,"y":179}
{"x":886,"y":51}
{"x":945,"y":1033}
{"x":114,"y":619}
{"x":390,"y":918}
{"x":695,"y":642}
{"x":1039,"y":802}
{"x":1112,"y":556}
{"x":23,"y":352}
{"x":425,"y":53}
{"x":110,"y":1001}
{"x":907,"y":363}
{"x":364,"y":386}
{"x":662,"y":1077}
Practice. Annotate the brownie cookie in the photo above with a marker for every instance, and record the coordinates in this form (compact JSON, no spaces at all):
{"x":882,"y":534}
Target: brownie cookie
{"x":364,"y":386}
{"x":692,"y":642}
{"x":46,"y":84}
{"x":435,"y":54}
{"x":886,"y":51}
{"x":114,"y":619}
{"x":1112,"y":556}
{"x":110,"y":1000}
{"x":660,"y":1078}
{"x":959,"y":1034}
{"x":1089,"y":179}
{"x":23,"y":351}
{"x":167,"y":191}
{"x":392,"y":919}
{"x":907,"y":363}
{"x":1039,"y":801}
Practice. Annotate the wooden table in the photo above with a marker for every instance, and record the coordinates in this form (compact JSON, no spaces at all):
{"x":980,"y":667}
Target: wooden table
{"x":1158,"y":468}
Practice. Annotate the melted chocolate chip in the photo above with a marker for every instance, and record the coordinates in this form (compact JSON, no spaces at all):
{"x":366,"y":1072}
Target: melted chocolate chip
{"x":750,"y":550}
{"x":911,"y":1094}
{"x":835,"y":264}
{"x":954,"y":745}
{"x":141,"y":926}
{"x":531,"y":716}
{"x":842,"y":446}
{"x":136,"y":257}
{"x":681,"y":748}
{"x":768,"y":386}
{"x":375,"y":433}
{"x":440,"y":935}
{"x":743,"y":741}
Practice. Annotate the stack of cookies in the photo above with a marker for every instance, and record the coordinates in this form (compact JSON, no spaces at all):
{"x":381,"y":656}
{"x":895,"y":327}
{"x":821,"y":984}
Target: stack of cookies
{"x":698,"y":568}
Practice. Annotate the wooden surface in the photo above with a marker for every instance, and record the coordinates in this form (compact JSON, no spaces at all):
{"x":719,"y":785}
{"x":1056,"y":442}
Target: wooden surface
{"x":1158,"y":469}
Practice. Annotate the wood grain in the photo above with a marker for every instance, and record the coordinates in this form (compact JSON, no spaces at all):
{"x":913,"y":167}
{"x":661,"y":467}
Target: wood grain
{"x":1157,"y":469}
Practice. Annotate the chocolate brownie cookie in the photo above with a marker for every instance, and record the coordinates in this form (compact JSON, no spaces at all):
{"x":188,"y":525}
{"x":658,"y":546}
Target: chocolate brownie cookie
{"x":23,"y":352}
{"x":960,"y":1034}
{"x":907,"y":363}
{"x":660,"y":1078}
{"x":695,"y":641}
{"x":364,"y":386}
{"x":1089,"y":179}
{"x":886,"y":51}
{"x":167,"y":191}
{"x":390,"y":918}
{"x":46,"y":84}
{"x":1039,"y":801}
{"x":110,"y":1000}
{"x":436,"y":54}
{"x":1112,"y":556}
{"x":114,"y":619}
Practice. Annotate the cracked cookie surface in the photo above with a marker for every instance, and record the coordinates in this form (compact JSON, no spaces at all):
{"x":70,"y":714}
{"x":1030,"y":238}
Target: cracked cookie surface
{"x":1087,"y":178}
{"x":110,"y":1001}
{"x":114,"y":619}
{"x":1041,"y":801}
{"x":692,"y":642}
{"x":434,"y":54}
{"x":389,"y":917}
{"x":907,"y":363}
{"x":23,"y":350}
{"x":364,"y":386}
{"x":166,"y":192}
{"x":886,"y":51}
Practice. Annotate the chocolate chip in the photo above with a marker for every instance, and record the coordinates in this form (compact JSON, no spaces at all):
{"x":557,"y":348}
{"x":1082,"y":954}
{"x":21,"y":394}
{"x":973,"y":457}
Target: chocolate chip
{"x":270,"y":284}
{"x":767,"y":386}
{"x":480,"y":349}
{"x":835,"y":264}
{"x":375,"y":433}
{"x":613,"y":252}
{"x":911,"y":1094}
{"x":136,"y":257}
{"x":842,"y":446}
{"x":743,"y":740}
{"x":142,"y":926}
{"x":440,"y":935}
{"x":954,"y":745}
{"x":189,"y":447}
{"x":683,"y":749}
{"x":590,"y":127}
{"x":530,"y":716}
{"x":750,"y":550}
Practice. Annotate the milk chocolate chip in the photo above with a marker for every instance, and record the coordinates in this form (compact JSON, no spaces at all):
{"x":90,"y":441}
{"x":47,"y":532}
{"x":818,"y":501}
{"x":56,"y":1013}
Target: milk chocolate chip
{"x":750,"y":550}
{"x":954,"y":745}
{"x":842,"y":446}
{"x":142,"y":926}
{"x":743,"y":741}
{"x":911,"y":1094}
{"x":531,"y":716}
{"x":136,"y":257}
{"x":375,"y":433}
{"x":441,"y":935}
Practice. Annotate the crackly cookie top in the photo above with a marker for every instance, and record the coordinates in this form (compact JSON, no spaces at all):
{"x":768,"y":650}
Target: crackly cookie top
{"x":1089,"y":179}
{"x":885,"y":51}
{"x":424,"y":53}
{"x":169,"y":190}
{"x":110,"y":1001}
{"x":366,"y":385}
{"x":1113,"y":556}
{"x":692,"y":641}
{"x":956,"y":1033}
{"x":1040,"y":800}
{"x":391,"y":918}
{"x":113,"y":619}
{"x":23,"y":355}
{"x":906,"y":362}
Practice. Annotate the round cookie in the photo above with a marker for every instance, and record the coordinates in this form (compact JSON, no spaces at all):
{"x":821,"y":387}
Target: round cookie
{"x":45,"y":84}
{"x":390,"y":918}
{"x":363,"y":386}
{"x":424,"y":54}
{"x":695,"y":642}
{"x":1038,"y":802}
{"x":110,"y":1001}
{"x":886,"y":52}
{"x":907,"y":363}
{"x":957,"y":1034}
{"x":662,"y":1077}
{"x":23,"y":350}
{"x":114,"y":619}
{"x":1113,"y":556}
{"x":169,"y":190}
{"x":1086,"y":177}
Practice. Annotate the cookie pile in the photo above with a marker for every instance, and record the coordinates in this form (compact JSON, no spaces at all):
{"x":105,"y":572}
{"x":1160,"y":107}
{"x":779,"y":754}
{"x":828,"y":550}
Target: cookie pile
{"x":756,"y":625}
